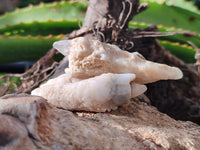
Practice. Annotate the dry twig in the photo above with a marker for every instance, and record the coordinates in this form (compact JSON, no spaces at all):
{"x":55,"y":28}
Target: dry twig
{"x":32,"y":78}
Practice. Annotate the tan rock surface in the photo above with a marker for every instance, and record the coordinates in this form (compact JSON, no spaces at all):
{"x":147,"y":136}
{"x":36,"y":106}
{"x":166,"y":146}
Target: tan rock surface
{"x":28,"y":122}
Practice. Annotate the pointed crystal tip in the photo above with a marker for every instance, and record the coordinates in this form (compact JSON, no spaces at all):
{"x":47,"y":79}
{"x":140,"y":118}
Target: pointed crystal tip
{"x":62,"y":46}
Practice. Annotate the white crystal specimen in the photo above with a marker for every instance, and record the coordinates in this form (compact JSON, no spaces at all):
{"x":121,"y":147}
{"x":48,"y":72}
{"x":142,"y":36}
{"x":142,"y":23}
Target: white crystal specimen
{"x":101,"y":76}
{"x":101,"y":93}
{"x":89,"y":58}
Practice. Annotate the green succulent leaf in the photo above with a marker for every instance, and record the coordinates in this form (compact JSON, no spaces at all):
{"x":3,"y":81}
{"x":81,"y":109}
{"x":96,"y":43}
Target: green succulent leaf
{"x":42,"y":18}
{"x":40,"y":28}
{"x":186,"y":5}
{"x":160,"y":12}
{"x":180,"y":37}
{"x":25,"y":48}
{"x":183,"y":52}
{"x":64,"y":17}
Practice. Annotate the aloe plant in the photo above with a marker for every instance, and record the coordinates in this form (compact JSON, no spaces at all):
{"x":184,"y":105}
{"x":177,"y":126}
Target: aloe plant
{"x":26,"y":48}
{"x":24,"y":32}
{"x":56,"y":11}
{"x":43,"y":19}
{"x":170,"y":14}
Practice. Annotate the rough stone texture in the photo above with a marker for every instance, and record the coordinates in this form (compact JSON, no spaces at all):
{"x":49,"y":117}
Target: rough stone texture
{"x":29,"y":122}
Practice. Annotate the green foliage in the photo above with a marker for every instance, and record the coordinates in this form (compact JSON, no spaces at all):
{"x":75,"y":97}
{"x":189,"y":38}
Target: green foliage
{"x":183,"y":51}
{"x":24,"y":32}
{"x":8,"y":84}
{"x":40,"y":28}
{"x":26,"y":48}
{"x":57,"y":11}
{"x":24,"y":3}
{"x":195,"y":2}
{"x":173,"y":16}
{"x":170,"y":42}
{"x":170,"y":15}
{"x":63,"y":17}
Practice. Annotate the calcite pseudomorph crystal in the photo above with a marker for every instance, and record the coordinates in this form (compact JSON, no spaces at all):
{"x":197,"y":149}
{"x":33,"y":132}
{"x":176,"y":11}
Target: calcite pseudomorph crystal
{"x":101,"y":76}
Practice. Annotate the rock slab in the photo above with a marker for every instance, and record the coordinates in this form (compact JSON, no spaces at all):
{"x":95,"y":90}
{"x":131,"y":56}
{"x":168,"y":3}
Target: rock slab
{"x":29,"y":122}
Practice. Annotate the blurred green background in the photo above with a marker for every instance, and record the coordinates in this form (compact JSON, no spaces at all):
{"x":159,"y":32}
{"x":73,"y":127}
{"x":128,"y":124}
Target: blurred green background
{"x":9,"y":5}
